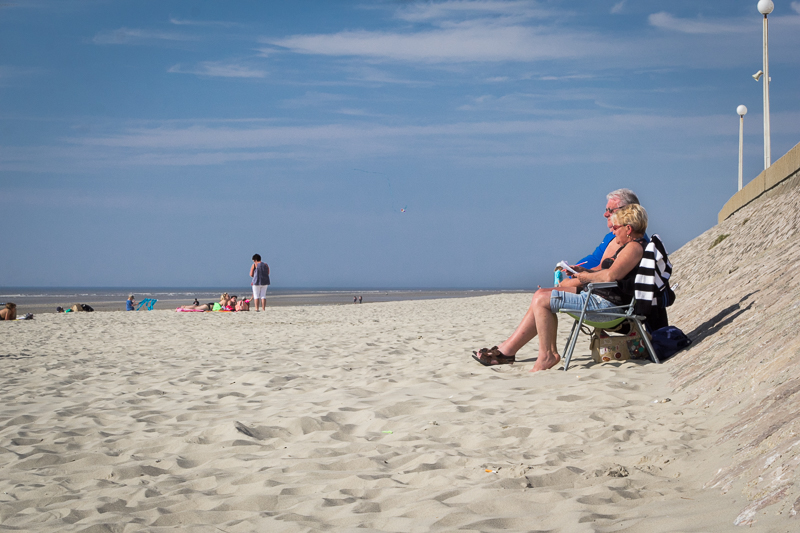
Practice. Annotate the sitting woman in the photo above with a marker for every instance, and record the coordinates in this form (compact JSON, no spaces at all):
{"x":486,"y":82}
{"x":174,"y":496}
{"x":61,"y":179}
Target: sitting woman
{"x":224,"y":300}
{"x":620,"y":262}
{"x":9,"y":312}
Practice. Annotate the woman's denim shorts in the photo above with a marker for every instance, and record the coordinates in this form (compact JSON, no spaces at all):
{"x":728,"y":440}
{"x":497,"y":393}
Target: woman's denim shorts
{"x":569,"y":301}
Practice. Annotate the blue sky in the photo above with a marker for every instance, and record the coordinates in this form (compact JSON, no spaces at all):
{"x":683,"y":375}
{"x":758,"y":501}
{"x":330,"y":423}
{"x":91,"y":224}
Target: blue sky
{"x":163,"y":143}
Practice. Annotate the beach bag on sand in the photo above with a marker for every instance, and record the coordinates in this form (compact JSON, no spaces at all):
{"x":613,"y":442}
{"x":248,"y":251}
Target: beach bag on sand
{"x":606,"y":348}
{"x":76,"y":308}
{"x":668,"y":341}
{"x":243,"y":305}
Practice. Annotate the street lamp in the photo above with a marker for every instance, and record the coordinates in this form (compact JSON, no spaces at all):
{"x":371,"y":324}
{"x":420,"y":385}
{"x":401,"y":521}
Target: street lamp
{"x":741,"y":111}
{"x":765,"y":7}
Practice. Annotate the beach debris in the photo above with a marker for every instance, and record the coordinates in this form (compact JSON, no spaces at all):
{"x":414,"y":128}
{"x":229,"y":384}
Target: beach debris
{"x":665,"y":400}
{"x":387,"y":431}
{"x":258,"y":433}
{"x":617,"y":471}
{"x":241,"y":428}
{"x":490,"y":471}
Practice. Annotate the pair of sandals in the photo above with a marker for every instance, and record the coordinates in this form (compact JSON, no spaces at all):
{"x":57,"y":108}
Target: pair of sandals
{"x":492,"y":356}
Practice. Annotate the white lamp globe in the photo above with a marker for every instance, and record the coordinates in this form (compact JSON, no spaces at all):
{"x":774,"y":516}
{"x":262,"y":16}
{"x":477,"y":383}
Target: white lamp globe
{"x":765,"y":7}
{"x":741,"y":110}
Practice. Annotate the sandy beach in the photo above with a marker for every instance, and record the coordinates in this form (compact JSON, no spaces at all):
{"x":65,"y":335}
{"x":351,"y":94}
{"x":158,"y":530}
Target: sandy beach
{"x":369,"y":417}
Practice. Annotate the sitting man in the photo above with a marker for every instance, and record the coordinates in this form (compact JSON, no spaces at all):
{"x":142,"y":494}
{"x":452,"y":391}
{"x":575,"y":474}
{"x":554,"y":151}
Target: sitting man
{"x":616,"y":200}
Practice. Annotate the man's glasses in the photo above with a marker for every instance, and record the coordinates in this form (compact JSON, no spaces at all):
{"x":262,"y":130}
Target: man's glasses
{"x":611,"y":210}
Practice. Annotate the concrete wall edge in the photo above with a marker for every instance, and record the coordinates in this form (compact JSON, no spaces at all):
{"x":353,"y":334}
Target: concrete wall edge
{"x":783,"y":169}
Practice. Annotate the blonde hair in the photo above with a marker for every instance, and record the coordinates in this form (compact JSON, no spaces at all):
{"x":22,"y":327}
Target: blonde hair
{"x":10,"y":305}
{"x":632,"y":215}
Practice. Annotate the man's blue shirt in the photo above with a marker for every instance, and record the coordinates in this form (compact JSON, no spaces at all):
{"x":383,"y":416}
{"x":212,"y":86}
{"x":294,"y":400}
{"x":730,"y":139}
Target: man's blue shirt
{"x":593,"y":259}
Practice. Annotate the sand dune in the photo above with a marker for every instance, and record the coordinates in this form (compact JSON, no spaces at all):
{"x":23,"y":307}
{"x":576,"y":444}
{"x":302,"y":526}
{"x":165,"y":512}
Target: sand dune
{"x":340,"y":418}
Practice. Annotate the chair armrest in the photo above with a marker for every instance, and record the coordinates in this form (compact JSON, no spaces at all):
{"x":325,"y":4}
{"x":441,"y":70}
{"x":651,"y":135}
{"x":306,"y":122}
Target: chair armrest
{"x":602,"y":285}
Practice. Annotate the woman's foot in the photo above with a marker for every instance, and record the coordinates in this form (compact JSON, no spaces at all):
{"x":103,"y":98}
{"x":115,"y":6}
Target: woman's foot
{"x":546,"y":362}
{"x":492,"y":356}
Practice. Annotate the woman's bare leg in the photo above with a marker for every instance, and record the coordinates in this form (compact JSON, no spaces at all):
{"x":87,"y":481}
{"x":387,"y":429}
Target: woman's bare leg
{"x":527,"y":328}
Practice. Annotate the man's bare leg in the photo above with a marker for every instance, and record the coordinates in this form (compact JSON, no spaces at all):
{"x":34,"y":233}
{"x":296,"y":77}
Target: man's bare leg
{"x":547,"y":322}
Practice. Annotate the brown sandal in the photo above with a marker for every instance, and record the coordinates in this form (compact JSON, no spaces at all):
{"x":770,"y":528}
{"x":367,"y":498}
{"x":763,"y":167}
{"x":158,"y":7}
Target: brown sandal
{"x":492,"y":356}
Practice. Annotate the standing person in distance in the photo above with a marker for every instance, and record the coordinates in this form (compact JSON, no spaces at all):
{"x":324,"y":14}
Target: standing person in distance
{"x":260,"y":273}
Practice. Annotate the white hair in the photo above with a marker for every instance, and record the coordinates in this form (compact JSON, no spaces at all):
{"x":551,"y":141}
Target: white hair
{"x":624,"y":196}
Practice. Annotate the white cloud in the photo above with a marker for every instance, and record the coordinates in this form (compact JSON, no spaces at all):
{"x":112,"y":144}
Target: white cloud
{"x":184,"y":22}
{"x":666,"y":21}
{"x":313,"y":99}
{"x":466,"y":42}
{"x":617,"y":8}
{"x":137,"y":36}
{"x":219,"y":69}
{"x":421,"y":12}
{"x":9,"y":73}
{"x":174,"y":143}
{"x":796,"y":7}
{"x":371,"y":75}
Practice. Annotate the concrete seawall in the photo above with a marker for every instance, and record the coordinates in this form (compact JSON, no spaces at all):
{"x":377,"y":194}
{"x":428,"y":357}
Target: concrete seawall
{"x":738,"y":298}
{"x":784,"y":174}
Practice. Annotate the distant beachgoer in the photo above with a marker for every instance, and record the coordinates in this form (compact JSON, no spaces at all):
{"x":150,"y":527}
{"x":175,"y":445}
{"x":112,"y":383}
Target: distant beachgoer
{"x":9,"y":312}
{"x":130,"y":303}
{"x":224,"y":300}
{"x":355,"y":299}
{"x":360,"y":298}
{"x":195,"y":302}
{"x":259,"y":272}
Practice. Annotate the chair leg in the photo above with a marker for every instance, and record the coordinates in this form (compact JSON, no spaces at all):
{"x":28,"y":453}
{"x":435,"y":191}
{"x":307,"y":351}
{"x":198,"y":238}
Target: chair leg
{"x":570,"y":344}
{"x":577,"y":331}
{"x":646,"y":340}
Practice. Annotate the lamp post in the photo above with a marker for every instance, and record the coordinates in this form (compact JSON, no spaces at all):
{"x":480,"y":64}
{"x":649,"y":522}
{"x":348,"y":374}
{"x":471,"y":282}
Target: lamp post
{"x":741,"y":111}
{"x":765,"y":7}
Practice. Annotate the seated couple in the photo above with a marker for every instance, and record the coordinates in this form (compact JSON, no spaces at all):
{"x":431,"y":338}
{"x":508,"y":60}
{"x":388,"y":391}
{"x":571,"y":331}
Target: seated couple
{"x":618,"y":263}
{"x":226,"y":303}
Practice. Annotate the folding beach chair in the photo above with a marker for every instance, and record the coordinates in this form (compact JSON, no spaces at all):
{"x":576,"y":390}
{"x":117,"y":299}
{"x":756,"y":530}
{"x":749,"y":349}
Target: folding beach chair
{"x":651,"y":295}
{"x":147,"y":303}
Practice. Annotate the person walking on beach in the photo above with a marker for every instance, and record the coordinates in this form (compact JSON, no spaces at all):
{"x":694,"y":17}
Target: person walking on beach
{"x":260,"y":273}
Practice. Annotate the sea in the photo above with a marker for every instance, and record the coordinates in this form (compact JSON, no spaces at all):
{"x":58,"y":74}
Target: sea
{"x":47,"y":299}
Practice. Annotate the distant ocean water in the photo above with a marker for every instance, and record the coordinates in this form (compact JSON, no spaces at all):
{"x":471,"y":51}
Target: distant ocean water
{"x":46,"y":299}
